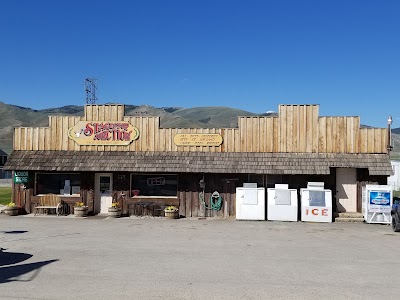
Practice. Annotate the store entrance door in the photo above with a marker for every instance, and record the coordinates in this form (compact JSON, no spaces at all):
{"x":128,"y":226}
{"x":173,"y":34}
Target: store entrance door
{"x":103,"y":193}
{"x":346,"y":189}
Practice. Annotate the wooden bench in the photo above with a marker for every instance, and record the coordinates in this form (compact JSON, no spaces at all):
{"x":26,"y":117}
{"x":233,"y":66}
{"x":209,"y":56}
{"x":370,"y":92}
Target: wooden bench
{"x":49,"y":201}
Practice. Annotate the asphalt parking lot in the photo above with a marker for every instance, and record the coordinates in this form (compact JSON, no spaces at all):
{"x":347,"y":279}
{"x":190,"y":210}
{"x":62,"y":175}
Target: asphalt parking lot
{"x":151,"y":258}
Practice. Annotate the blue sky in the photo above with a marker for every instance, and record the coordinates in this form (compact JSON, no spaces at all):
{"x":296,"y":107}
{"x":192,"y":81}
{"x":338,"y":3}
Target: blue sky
{"x":251,"y":55}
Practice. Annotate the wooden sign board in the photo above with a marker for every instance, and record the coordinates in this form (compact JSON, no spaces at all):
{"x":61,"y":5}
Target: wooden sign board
{"x":198,"y":139}
{"x":113,"y":133}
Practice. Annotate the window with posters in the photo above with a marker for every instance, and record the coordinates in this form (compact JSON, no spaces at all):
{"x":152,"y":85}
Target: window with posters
{"x":154,"y":184}
{"x":55,"y":183}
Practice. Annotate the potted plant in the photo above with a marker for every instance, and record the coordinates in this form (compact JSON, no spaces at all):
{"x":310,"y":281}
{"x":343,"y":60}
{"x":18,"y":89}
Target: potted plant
{"x":11,"y":209}
{"x":135,"y":193}
{"x":80,"y":209}
{"x":171,"y":212}
{"x":114,"y":211}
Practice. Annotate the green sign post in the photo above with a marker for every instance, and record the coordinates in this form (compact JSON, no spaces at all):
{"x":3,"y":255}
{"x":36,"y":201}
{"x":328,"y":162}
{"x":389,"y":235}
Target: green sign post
{"x":21,"y":177}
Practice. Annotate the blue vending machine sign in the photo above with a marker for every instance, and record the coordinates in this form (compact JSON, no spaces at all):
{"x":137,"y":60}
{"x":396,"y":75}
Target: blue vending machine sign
{"x":379,"y":201}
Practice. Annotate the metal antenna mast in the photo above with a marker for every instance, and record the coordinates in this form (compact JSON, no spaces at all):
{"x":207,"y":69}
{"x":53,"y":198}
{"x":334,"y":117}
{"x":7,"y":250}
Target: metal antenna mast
{"x":91,"y":90}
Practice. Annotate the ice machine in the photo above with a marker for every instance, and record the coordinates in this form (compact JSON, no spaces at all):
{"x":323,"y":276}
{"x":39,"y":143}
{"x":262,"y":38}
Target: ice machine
{"x":316,"y":203}
{"x":250,"y":203}
{"x":282,"y":203}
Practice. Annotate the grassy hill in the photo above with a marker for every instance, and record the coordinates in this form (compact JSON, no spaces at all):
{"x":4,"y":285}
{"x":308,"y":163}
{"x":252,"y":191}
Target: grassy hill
{"x":218,"y":117}
{"x":13,"y":116}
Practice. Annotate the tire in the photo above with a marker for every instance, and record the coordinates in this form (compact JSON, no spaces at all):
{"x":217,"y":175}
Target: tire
{"x":395,"y":224}
{"x":60,"y":209}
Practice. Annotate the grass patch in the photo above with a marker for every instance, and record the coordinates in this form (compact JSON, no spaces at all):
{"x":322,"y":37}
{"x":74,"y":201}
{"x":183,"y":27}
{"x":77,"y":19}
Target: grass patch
{"x":5,"y":195}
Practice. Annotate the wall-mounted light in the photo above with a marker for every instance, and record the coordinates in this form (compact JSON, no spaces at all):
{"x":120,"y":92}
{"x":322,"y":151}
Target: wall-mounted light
{"x":389,"y":146}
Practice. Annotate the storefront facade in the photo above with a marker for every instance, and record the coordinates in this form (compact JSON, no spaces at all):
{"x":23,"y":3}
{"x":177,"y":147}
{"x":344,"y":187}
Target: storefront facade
{"x":105,"y":156}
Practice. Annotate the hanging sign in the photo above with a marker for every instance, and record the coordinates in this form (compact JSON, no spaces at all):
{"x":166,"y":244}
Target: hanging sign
{"x":116,"y":133}
{"x":21,"y":177}
{"x":197,"y":139}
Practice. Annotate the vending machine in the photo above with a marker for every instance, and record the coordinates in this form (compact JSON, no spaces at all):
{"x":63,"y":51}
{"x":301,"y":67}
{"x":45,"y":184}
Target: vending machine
{"x":250,"y":203}
{"x":282,"y":203}
{"x":377,"y":203}
{"x":316,"y":203}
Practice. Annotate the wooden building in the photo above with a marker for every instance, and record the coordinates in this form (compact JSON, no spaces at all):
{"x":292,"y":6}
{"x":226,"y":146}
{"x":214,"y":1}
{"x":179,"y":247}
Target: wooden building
{"x":84,"y":157}
{"x":3,"y":159}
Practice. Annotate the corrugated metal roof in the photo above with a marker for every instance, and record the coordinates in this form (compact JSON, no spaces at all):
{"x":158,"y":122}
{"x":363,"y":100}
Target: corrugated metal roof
{"x":196,"y":162}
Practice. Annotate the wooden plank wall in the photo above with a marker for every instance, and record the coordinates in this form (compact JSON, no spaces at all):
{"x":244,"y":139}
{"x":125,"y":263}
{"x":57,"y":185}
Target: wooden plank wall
{"x":298,"y":128}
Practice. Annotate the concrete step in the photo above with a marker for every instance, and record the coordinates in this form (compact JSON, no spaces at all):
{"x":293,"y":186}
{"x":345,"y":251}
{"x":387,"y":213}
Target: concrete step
{"x":349,"y":215}
{"x":356,"y":220}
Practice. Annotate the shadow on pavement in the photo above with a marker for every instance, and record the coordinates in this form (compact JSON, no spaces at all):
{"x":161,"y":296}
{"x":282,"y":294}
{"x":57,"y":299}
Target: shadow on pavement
{"x":11,"y":273}
{"x":15,"y":231}
{"x":11,"y":258}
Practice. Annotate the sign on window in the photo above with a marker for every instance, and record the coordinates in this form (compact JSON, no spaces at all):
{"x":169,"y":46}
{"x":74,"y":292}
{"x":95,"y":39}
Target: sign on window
{"x":155,"y":181}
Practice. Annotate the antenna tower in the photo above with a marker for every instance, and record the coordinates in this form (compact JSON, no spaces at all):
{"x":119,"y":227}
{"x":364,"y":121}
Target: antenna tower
{"x":91,"y":90}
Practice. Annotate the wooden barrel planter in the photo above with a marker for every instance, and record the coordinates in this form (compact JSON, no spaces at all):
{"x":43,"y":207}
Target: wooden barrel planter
{"x":171,"y":214}
{"x":114,"y":212}
{"x":11,"y":211}
{"x":81,"y":211}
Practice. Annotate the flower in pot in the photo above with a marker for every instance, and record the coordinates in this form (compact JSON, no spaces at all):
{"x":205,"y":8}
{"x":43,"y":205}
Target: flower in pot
{"x":11,"y":209}
{"x":80,"y":209}
{"x":171,"y":212}
{"x":114,"y":211}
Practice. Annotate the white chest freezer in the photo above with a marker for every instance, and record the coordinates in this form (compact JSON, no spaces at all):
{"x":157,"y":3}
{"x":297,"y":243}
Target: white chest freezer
{"x":282,"y":204}
{"x":316,"y":204}
{"x":250,"y":203}
{"x":377,"y":203}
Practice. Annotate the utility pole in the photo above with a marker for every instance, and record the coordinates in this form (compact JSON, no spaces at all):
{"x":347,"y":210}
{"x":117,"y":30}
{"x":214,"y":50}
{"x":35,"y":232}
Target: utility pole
{"x":91,"y":90}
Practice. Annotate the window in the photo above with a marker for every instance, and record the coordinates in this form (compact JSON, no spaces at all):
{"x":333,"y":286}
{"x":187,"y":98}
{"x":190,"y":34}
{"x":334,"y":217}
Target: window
{"x":55,"y":183}
{"x":154,"y":184}
{"x":317,"y":198}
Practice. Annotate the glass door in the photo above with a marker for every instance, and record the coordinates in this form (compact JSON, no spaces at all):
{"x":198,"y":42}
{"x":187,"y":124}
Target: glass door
{"x":103,"y":192}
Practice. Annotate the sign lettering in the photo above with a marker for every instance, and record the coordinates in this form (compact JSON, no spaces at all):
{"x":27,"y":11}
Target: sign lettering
{"x":21,"y":177}
{"x":198,"y":139}
{"x":317,"y":212}
{"x":379,"y":201}
{"x":103,"y":133}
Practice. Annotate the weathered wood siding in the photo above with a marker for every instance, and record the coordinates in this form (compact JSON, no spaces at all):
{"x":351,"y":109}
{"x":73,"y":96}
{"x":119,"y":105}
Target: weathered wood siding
{"x":298,"y":128}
